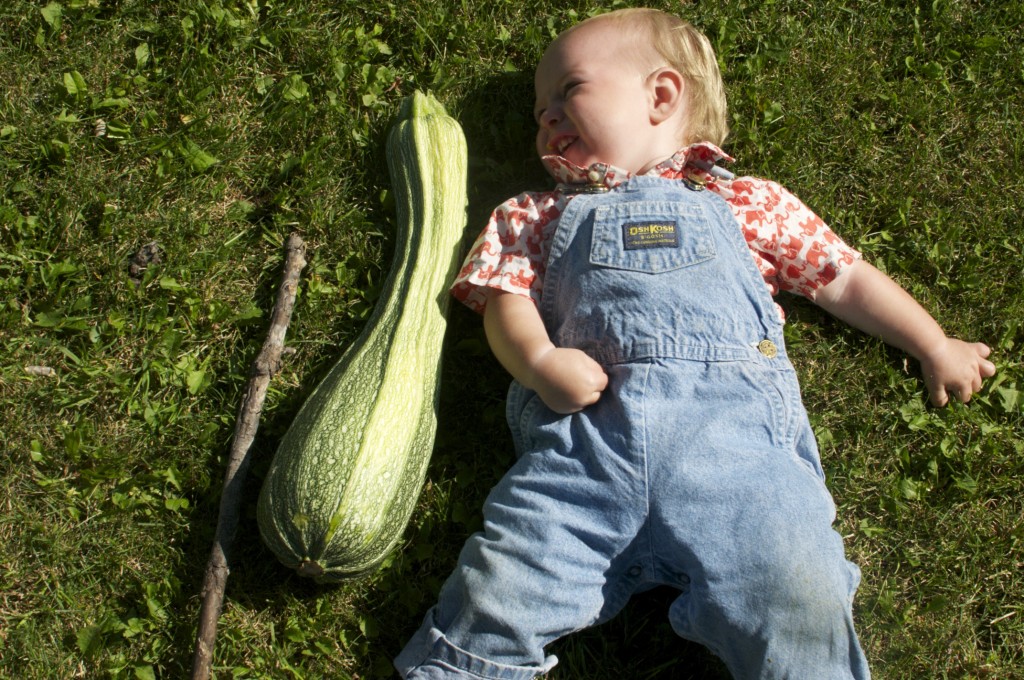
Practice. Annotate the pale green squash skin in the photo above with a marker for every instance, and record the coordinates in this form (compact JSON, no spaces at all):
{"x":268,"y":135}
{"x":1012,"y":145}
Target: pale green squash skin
{"x":348,"y":472}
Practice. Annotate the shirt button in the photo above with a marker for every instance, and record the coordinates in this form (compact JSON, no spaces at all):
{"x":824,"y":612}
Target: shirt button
{"x":635,"y":570}
{"x":768,"y":348}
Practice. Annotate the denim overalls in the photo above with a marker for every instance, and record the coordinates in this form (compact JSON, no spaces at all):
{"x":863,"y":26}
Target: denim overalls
{"x":697,"y":468}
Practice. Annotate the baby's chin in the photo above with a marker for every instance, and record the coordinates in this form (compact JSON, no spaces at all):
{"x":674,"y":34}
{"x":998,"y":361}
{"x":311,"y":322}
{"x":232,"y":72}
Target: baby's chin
{"x":569,"y":158}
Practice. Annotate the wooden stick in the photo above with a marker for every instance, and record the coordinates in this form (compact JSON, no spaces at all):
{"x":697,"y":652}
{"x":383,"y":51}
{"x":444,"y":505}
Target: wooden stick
{"x":267,"y":363}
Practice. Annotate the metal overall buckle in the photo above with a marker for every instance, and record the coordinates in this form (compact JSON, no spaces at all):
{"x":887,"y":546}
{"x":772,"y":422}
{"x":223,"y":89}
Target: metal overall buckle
{"x":596,"y":184}
{"x":695,"y":184}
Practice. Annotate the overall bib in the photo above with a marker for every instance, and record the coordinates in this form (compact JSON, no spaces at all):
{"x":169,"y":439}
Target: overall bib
{"x":697,"y":468}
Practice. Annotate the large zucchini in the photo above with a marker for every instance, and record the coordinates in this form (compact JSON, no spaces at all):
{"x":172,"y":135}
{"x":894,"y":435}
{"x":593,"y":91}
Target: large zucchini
{"x":349,"y":470}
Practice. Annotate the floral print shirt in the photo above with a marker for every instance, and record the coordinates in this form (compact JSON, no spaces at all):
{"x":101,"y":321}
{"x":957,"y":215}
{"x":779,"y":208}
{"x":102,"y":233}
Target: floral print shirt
{"x":793,"y":248}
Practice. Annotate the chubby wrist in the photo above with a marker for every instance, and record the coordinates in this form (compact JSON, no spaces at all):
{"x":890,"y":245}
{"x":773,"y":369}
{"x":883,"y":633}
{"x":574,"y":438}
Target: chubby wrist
{"x":533,"y":375}
{"x":930,"y":348}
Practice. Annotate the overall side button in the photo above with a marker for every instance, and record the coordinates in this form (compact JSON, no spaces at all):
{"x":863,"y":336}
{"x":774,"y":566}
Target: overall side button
{"x":768,"y":349}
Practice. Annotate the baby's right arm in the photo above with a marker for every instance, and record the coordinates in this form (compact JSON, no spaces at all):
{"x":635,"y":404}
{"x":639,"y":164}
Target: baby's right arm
{"x":566,"y":379}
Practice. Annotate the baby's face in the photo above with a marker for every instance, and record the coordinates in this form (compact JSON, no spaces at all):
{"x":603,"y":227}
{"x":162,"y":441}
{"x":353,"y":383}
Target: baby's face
{"x":593,"y":98}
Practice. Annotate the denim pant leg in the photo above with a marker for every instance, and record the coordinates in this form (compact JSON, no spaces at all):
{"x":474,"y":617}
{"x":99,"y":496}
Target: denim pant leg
{"x":768,"y":587}
{"x":541,"y":568}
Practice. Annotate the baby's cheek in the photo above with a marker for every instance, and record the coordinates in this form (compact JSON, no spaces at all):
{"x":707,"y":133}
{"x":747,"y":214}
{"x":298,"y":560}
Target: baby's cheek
{"x":541,"y":144}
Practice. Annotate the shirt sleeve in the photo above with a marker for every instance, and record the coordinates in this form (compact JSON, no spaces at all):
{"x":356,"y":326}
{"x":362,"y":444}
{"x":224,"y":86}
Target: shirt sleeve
{"x":793,"y":247}
{"x":510,"y":252}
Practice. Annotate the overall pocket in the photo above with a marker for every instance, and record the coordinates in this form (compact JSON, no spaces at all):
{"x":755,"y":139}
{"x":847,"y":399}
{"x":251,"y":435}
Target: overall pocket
{"x":651,"y":236}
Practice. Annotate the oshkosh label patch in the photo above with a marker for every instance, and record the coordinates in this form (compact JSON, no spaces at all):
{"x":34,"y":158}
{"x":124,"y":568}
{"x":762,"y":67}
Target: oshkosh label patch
{"x":639,"y":235}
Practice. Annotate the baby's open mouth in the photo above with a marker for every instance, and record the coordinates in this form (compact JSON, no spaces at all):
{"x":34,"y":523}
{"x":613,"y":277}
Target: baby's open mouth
{"x":561,"y":144}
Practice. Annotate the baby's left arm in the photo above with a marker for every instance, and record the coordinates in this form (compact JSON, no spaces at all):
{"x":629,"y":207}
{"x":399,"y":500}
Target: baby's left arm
{"x":869,"y":300}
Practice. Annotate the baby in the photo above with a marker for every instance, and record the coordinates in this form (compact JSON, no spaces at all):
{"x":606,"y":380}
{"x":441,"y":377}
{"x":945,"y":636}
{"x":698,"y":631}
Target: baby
{"x":658,"y":425}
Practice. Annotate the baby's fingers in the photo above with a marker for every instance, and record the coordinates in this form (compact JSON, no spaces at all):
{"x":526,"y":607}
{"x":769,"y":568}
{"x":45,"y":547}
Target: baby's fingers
{"x":985,"y":367}
{"x":938,"y":396}
{"x":941,"y":395}
{"x":957,"y":371}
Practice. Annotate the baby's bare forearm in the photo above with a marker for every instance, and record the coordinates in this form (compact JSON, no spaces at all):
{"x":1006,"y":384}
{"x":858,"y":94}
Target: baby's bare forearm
{"x":566,"y":379}
{"x":516,"y":333}
{"x":869,"y":300}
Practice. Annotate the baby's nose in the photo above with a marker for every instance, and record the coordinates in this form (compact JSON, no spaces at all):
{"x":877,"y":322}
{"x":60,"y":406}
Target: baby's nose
{"x":550,"y":117}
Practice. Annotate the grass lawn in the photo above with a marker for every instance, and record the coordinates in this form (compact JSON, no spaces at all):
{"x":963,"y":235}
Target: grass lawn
{"x":155,"y":155}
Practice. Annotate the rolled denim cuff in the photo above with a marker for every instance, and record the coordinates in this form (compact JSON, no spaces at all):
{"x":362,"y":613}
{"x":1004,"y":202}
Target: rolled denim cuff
{"x":431,"y":656}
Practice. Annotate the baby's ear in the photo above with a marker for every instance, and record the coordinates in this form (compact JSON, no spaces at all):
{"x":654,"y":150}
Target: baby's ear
{"x":666,"y":88}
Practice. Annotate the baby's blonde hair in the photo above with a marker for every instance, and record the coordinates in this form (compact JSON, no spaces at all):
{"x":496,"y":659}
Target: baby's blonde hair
{"x":688,"y":51}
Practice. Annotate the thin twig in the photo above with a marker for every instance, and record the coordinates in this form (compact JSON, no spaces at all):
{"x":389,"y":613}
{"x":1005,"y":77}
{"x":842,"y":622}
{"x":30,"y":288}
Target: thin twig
{"x":266,"y":365}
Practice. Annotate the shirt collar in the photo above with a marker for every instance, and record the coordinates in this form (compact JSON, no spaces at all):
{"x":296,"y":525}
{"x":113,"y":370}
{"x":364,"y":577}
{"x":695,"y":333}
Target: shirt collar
{"x":695,"y":160}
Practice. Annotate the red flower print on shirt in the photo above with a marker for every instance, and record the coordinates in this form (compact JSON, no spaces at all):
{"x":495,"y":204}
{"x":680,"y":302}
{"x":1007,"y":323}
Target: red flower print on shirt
{"x":792,"y":247}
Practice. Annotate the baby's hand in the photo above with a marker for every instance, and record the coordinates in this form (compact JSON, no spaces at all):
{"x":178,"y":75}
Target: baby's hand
{"x":567,"y":379}
{"x":956,"y":368}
